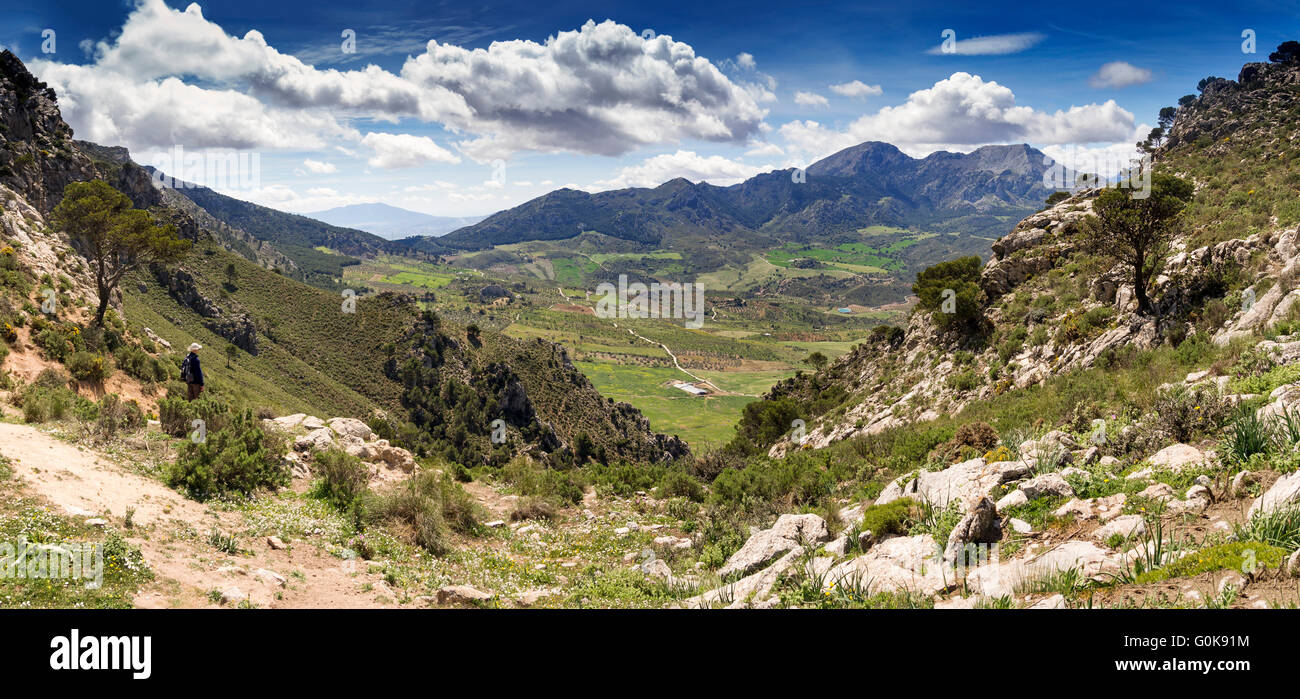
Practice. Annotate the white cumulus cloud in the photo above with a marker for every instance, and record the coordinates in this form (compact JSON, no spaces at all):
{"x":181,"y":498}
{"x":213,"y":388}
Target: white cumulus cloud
{"x":856,"y":88}
{"x":318,"y":167}
{"x":962,"y":112}
{"x":654,"y":171}
{"x":393,"y":151}
{"x":1119,"y":74}
{"x":810,"y":99}
{"x":175,"y":77}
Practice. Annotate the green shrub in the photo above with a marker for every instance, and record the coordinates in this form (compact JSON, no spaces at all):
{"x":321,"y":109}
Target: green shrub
{"x":964,"y":381}
{"x":177,"y":415}
{"x":530,"y":478}
{"x":762,"y":423}
{"x":1182,"y":413}
{"x":950,"y":291}
{"x":88,"y":366}
{"x":678,"y":483}
{"x":43,"y":403}
{"x":343,"y":481}
{"x":240,"y":457}
{"x":430,"y":506}
{"x":1233,"y":556}
{"x":58,"y":341}
{"x":138,"y":364}
{"x":114,"y":416}
{"x":802,"y":479}
{"x":1247,"y":435}
{"x":889,"y":518}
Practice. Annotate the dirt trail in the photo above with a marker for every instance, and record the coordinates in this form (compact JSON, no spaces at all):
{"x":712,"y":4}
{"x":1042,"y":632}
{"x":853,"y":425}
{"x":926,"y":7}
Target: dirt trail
{"x":171,"y":532}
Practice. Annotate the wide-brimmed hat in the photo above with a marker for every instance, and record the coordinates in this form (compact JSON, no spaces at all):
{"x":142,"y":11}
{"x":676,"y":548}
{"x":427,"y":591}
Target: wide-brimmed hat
{"x":195,"y":346}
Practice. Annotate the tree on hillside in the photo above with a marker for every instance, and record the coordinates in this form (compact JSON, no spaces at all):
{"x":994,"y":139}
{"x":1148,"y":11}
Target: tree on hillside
{"x":232,"y":274}
{"x":1137,"y":232}
{"x":951,"y":292}
{"x":817,"y":359}
{"x":1287,"y":52}
{"x":1166,"y":117}
{"x":114,"y":237}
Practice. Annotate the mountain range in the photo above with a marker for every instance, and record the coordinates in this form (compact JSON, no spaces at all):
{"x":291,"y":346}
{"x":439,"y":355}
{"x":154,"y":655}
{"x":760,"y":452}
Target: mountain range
{"x":391,"y":222}
{"x":874,"y":183}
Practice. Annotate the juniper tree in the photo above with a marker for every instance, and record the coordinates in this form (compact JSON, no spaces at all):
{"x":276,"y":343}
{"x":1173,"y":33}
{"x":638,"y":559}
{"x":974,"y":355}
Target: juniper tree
{"x":115,"y":237}
{"x":1136,"y":231}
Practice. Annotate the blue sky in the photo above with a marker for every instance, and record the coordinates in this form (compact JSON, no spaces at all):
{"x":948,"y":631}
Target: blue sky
{"x":517,"y":98}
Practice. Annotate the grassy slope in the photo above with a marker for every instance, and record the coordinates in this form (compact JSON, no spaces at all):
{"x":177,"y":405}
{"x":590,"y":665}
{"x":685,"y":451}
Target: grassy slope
{"x":314,"y":359}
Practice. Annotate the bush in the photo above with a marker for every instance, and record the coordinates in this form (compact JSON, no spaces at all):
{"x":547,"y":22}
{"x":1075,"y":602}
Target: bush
{"x":678,"y":483}
{"x":59,"y":342}
{"x":429,"y":506}
{"x":138,"y":364}
{"x":44,"y":403}
{"x":951,"y":292}
{"x":530,"y":478}
{"x":115,"y":415}
{"x":87,"y":366}
{"x":240,"y":458}
{"x":890,"y":518}
{"x":767,"y":485}
{"x":762,"y":423}
{"x":972,"y":437}
{"x":1247,"y":435}
{"x":1181,"y":413}
{"x":964,"y":381}
{"x":534,"y":508}
{"x":177,"y":415}
{"x":343,"y":483}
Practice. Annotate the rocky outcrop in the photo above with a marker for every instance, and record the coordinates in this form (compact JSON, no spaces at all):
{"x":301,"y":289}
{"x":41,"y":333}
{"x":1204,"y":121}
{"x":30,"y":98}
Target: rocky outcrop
{"x":311,"y":434}
{"x":236,"y":327}
{"x":789,"y":532}
{"x":967,"y":482}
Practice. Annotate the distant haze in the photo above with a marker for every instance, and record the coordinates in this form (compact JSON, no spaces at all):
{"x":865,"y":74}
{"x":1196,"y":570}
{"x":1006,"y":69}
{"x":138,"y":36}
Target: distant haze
{"x":391,"y":222}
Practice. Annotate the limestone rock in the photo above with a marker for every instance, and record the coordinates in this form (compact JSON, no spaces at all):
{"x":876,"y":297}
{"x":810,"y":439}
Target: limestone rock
{"x":765,"y":546}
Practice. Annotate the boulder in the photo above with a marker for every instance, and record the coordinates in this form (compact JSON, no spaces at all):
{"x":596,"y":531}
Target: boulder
{"x":1048,"y":484}
{"x":1104,"y":509}
{"x":901,"y":563}
{"x":765,"y":546}
{"x":979,"y":526}
{"x":1158,"y":491}
{"x":463,"y":595}
{"x":1177,"y":457}
{"x":351,"y":427}
{"x":1003,"y":578}
{"x":318,"y":439}
{"x":753,"y":587}
{"x":965,"y":482}
{"x":1127,"y":526}
{"x":1285,"y":492}
{"x":1015,"y":498}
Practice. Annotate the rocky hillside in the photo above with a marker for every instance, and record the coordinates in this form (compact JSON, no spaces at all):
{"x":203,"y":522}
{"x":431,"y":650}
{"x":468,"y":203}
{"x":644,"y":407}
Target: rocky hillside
{"x":1063,"y":449}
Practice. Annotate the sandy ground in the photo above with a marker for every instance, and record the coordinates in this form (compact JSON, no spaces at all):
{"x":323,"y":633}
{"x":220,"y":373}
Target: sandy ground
{"x":80,"y":482}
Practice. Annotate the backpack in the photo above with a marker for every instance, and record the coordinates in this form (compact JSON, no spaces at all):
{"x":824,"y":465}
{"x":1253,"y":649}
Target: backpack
{"x":187,"y":370}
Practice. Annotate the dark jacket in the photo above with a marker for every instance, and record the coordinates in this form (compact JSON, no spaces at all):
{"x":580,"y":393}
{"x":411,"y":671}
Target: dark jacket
{"x":195,"y":368}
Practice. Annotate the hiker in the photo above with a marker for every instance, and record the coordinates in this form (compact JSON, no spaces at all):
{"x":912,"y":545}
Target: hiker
{"x":192,"y":372}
